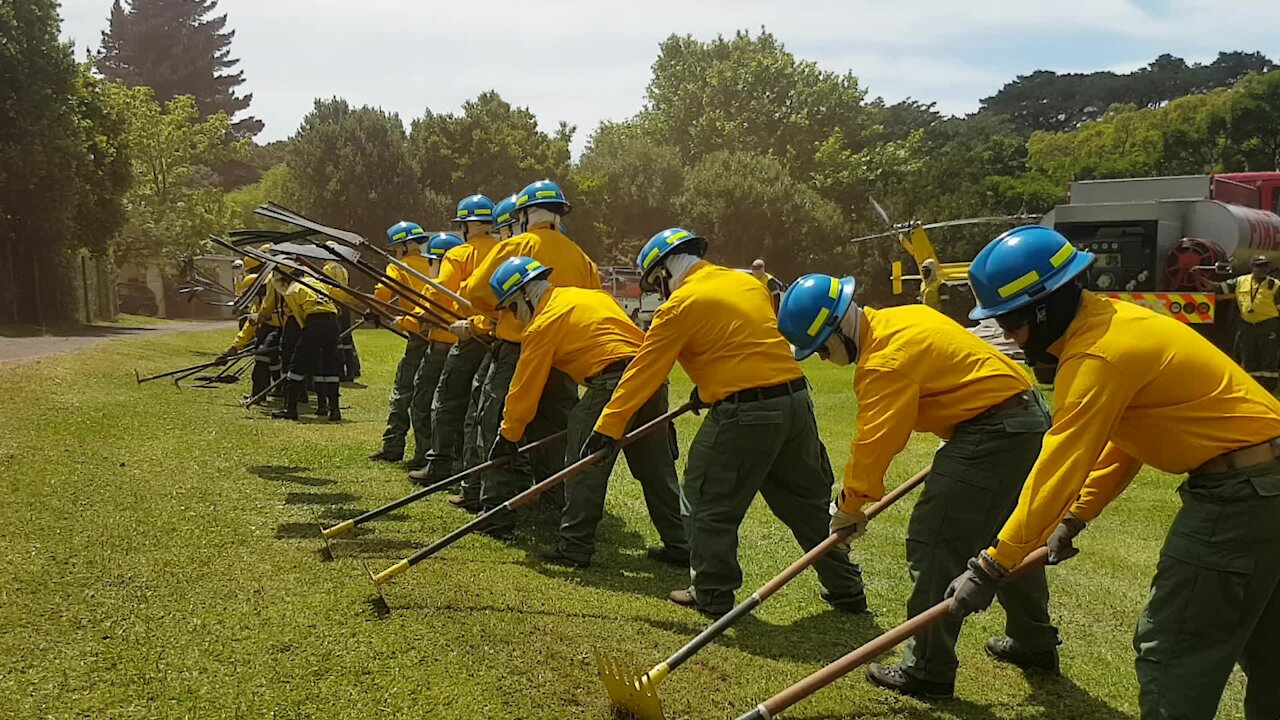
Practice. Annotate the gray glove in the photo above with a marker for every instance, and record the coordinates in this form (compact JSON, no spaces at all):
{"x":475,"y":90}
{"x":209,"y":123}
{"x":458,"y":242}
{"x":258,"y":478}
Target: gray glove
{"x":1060,"y":543}
{"x":975,"y":589}
{"x":855,"y":523}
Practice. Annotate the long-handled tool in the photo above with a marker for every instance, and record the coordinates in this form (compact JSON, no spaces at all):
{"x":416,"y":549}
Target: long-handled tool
{"x":639,"y":695}
{"x":347,"y":526}
{"x":523,"y":498}
{"x":190,"y":369}
{"x":432,"y":310}
{"x":283,"y":214}
{"x":868,"y":652}
{"x":275,"y":383}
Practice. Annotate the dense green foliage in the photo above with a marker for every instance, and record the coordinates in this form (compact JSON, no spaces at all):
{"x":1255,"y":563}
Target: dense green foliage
{"x":177,"y":47}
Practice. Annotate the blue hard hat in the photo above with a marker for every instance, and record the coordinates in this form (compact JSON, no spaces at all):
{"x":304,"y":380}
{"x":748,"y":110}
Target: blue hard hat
{"x":405,"y":231}
{"x":504,"y":213}
{"x":543,"y":192}
{"x":513,"y":274}
{"x":811,"y":309}
{"x":441,"y":243}
{"x":475,"y":208}
{"x":662,"y":245}
{"x":1020,"y":266}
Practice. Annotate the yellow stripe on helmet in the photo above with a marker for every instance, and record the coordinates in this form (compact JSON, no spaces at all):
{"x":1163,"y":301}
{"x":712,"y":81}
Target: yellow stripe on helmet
{"x":522,"y":200}
{"x":816,"y":325}
{"x":1061,"y":256}
{"x":510,"y":281}
{"x":1019,"y":284}
{"x":533,"y":265}
{"x":677,"y":237}
{"x":400,"y":235}
{"x":546,"y":194}
{"x":483,"y":211}
{"x":504,"y":217}
{"x":835,"y":290}
{"x":648,"y":259}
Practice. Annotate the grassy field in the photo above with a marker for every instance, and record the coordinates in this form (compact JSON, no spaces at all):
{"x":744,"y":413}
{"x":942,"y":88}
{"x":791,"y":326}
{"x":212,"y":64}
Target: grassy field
{"x":161,"y":561}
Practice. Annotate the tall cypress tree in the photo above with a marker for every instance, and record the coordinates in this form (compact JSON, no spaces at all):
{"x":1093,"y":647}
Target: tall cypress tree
{"x":177,"y":47}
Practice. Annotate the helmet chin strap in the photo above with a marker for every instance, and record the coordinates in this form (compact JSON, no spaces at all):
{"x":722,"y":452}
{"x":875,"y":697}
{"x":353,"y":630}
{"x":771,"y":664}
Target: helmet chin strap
{"x":529,"y":297}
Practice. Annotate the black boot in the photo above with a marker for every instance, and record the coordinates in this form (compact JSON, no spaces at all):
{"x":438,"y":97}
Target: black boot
{"x":335,"y":411}
{"x":292,"y":391}
{"x":322,"y":399}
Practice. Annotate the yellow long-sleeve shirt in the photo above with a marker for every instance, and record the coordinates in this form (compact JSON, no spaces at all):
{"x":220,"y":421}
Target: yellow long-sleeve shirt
{"x":917,"y":370}
{"x":458,"y":269}
{"x":1133,"y":388}
{"x":385,"y":292}
{"x":1256,"y":299}
{"x":336,"y":271}
{"x":249,"y":330}
{"x":302,"y":301}
{"x":572,"y":268}
{"x":719,"y":324}
{"x":576,"y":331}
{"x":270,"y":309}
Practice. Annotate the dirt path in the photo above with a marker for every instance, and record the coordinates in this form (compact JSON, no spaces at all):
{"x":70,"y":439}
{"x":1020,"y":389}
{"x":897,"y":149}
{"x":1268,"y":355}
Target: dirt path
{"x":13,"y":349}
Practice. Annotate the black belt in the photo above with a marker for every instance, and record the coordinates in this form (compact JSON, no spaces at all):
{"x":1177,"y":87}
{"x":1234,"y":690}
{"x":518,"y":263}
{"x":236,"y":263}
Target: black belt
{"x":767,"y":393}
{"x":617,"y":366}
{"x":1014,"y":402}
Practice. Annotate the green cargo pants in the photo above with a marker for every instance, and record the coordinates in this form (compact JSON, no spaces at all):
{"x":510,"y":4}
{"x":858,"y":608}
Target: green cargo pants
{"x":472,"y":453}
{"x":973,"y":487}
{"x":651,"y":460}
{"x":1259,"y":348}
{"x":1215,"y":600}
{"x":770,"y":447}
{"x":424,"y":389}
{"x":393,"y":438}
{"x":449,"y":407}
{"x":558,"y":397}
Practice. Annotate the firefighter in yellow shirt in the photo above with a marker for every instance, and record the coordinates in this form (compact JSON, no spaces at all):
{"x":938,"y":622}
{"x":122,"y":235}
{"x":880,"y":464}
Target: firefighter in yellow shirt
{"x":1258,"y":335}
{"x":538,"y":212}
{"x":1133,"y":388}
{"x":441,"y":340}
{"x":316,"y":353}
{"x":919,"y":370}
{"x":586,"y":335}
{"x":770,"y":283}
{"x":347,"y":353}
{"x":760,"y":434}
{"x":454,"y":402}
{"x":261,"y":330}
{"x":406,"y":240}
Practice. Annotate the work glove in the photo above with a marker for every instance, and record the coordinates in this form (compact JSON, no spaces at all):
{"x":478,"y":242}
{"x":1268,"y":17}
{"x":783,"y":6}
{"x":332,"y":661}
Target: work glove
{"x":1060,"y":546}
{"x":854,"y":522}
{"x":373,"y":318}
{"x":462,"y":330}
{"x":597,"y":442}
{"x":696,"y":403}
{"x":503,"y":448}
{"x":975,"y":589}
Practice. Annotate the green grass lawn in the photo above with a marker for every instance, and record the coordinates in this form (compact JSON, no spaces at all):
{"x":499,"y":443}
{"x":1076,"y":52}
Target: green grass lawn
{"x":160,"y":559}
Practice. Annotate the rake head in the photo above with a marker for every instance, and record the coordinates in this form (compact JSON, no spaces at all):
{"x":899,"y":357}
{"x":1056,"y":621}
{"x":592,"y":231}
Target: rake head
{"x":326,"y":555}
{"x":379,"y":603}
{"x":637,"y":695}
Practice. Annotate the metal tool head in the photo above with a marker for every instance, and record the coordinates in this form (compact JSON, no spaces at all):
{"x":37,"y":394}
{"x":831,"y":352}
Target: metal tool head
{"x":378,"y":603}
{"x":326,"y":554}
{"x":632,"y":694}
{"x":136,"y":377}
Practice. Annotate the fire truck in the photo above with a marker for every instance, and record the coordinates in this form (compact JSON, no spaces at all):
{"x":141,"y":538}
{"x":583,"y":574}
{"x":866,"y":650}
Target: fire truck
{"x":1168,"y":242}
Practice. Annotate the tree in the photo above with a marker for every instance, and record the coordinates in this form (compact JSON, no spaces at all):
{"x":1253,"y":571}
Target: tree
{"x":749,"y":206}
{"x":627,"y":185}
{"x":491,"y":148}
{"x":1251,"y":121}
{"x":748,"y":93}
{"x":351,"y":168}
{"x":276,"y":185}
{"x":61,"y":161}
{"x":173,"y":204}
{"x":177,"y":47}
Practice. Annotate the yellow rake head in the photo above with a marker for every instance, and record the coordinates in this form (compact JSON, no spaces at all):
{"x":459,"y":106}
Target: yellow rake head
{"x":636,"y":694}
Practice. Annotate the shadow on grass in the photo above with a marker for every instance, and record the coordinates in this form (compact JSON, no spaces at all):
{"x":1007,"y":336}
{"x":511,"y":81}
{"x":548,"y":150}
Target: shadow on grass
{"x":289,"y":474}
{"x":818,"y":638}
{"x":319,"y":498}
{"x":1058,"y":697}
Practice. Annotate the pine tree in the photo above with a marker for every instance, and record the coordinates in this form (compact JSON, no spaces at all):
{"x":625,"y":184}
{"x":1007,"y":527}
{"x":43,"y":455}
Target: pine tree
{"x":177,"y":47}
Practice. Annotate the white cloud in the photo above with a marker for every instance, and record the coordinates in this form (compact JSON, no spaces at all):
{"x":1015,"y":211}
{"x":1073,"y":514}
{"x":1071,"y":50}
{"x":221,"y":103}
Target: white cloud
{"x":583,"y":61}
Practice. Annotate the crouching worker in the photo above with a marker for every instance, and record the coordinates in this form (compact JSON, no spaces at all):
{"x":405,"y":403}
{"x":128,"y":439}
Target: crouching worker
{"x":1135,"y":387}
{"x":916,"y":369}
{"x":316,"y":354}
{"x":760,"y":434}
{"x":586,"y":335}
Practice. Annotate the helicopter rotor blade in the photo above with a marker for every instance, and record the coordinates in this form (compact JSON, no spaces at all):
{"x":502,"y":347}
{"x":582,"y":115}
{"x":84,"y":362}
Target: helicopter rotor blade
{"x":880,"y":211}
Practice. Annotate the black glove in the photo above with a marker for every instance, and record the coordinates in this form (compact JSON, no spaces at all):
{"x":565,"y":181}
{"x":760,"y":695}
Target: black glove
{"x":1060,"y":546}
{"x":695,"y":402}
{"x":503,"y":448}
{"x":373,"y":318}
{"x":225,"y":356}
{"x":597,"y":442}
{"x":974,"y":590}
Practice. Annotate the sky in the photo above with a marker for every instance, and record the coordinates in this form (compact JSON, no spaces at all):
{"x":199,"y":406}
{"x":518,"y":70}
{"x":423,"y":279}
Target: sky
{"x":585,"y":61}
